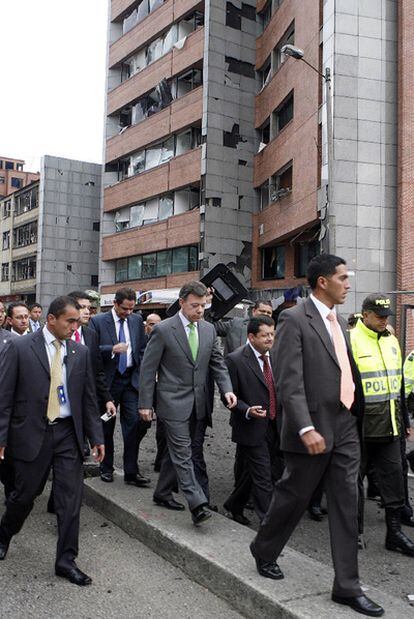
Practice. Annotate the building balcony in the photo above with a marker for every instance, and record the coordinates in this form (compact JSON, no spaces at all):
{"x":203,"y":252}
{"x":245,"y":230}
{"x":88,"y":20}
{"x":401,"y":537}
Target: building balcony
{"x":149,"y":28}
{"x":25,"y":250}
{"x":178,"y":172}
{"x":176,"y":61}
{"x":173,"y":232}
{"x":23,"y":286}
{"x":182,"y":112}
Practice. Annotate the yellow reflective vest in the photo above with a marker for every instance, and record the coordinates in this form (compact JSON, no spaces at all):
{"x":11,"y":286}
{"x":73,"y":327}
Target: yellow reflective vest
{"x":409,"y":374}
{"x":378,"y":357}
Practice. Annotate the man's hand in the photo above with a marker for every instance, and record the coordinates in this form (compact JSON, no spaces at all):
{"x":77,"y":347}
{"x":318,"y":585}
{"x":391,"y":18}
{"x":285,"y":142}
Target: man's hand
{"x":230,"y":399}
{"x":314,"y":442}
{"x":111,"y":408}
{"x":98,"y":452}
{"x":146,"y":414}
{"x":2,"y":453}
{"x":256,"y":411}
{"x":119,"y":348}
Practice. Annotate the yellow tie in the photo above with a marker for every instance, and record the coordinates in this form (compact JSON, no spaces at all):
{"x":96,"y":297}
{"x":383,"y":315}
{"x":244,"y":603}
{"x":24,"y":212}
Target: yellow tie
{"x":56,"y":379}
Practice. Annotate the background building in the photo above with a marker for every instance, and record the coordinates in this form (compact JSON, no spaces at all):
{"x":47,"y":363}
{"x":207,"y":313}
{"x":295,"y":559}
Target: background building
{"x":50,"y":232}
{"x":12,"y":175}
{"x":217,"y":143}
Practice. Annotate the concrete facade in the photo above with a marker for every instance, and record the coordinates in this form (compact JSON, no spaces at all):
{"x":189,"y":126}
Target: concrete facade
{"x":62,"y":248}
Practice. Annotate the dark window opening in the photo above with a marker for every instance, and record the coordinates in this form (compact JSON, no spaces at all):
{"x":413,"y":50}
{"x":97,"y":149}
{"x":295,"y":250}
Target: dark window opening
{"x":24,"y":269}
{"x":304,"y":252}
{"x":240,"y":67}
{"x":281,"y":183}
{"x":157,"y":264}
{"x":16,"y":182}
{"x":9,"y":165}
{"x":273,"y":262}
{"x":25,"y":235}
{"x":96,"y":226}
{"x":231,"y":138}
{"x":284,"y":113}
{"x":265,"y":132}
{"x":94,"y":281}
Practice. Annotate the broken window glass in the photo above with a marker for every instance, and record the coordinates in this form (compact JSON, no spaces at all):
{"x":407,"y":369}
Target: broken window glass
{"x":135,"y":267}
{"x":154,"y":4}
{"x":154,"y":50}
{"x":143,"y":10}
{"x":167,"y":150}
{"x":130,"y":21}
{"x":137,"y":163}
{"x":125,"y":117}
{"x":150,"y":211}
{"x":153,"y":156}
{"x":185,"y":27}
{"x":139,"y":111}
{"x":181,"y":202}
{"x":136,"y":215}
{"x":121,"y":219}
{"x":183,"y":142}
{"x":149,"y":265}
{"x":121,"y":270}
{"x":180,"y":260}
{"x":123,"y":168}
{"x":169,"y":39}
{"x":166,"y":204}
{"x":163,"y":90}
{"x":164,"y":265}
{"x":193,"y":258}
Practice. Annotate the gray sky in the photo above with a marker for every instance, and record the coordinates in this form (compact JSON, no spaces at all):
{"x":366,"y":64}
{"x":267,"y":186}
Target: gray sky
{"x":52,"y":79}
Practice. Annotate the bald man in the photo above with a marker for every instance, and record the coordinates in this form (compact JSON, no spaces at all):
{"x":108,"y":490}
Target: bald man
{"x":151,"y":321}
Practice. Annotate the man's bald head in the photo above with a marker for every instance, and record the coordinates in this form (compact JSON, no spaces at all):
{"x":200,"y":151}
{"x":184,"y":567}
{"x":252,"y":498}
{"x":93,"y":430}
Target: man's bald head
{"x":151,"y":321}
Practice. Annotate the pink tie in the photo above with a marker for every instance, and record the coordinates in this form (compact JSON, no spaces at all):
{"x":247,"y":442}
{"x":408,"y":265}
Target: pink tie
{"x":347,"y":384}
{"x":77,"y":336}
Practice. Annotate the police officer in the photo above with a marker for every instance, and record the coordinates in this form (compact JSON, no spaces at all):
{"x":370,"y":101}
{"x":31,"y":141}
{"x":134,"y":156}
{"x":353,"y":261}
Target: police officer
{"x":378,"y":356}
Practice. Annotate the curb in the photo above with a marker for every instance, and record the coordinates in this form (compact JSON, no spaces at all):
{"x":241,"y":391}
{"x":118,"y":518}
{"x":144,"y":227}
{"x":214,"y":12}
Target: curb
{"x":217,"y":556}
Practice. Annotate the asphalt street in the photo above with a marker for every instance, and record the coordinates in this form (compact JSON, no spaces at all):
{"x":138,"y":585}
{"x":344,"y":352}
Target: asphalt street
{"x":381,"y":568}
{"x":129,"y":581}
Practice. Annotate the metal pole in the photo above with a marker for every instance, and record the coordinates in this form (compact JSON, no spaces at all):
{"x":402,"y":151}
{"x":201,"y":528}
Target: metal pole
{"x":327,"y":244}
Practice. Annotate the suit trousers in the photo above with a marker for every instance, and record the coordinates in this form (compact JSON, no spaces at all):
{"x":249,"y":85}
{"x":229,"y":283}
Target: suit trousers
{"x":292,"y":494}
{"x":167,"y":481}
{"x":133,"y":428}
{"x":177,"y":463}
{"x":60,"y":450}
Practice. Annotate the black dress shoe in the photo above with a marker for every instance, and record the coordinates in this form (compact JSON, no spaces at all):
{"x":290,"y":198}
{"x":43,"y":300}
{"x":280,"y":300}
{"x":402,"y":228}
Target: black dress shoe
{"x":408,"y":521}
{"x":361,"y":604}
{"x":268,"y":569}
{"x":74,"y":575}
{"x":212,"y":508}
{"x":107,"y":477}
{"x":4,"y":546}
{"x":241,"y":519}
{"x":200,"y":514}
{"x":315,"y":513}
{"x":137,"y":480}
{"x":169,"y":503}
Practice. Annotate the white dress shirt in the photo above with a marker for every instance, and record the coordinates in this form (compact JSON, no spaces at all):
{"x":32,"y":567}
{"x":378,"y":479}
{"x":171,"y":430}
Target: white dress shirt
{"x":35,"y":325}
{"x":186,"y":322}
{"x":51,"y":351}
{"x":130,"y":361}
{"x":19,"y":334}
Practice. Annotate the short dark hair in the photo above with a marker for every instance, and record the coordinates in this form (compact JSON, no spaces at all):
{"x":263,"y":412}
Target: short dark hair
{"x":59,"y":305}
{"x":323,"y":265}
{"x":79,"y":294}
{"x":262,"y":302}
{"x":33,"y":305}
{"x":196,"y":288}
{"x":255,"y":323}
{"x":14,"y":304}
{"x":123,"y":294}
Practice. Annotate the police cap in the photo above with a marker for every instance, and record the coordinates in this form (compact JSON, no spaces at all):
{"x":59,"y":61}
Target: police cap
{"x":378,"y":303}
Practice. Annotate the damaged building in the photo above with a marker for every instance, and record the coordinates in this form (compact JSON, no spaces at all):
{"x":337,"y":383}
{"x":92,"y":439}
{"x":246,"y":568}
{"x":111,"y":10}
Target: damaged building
{"x":217,"y":143}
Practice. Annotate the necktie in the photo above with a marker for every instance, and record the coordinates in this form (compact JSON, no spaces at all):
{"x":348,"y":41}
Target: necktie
{"x":193,"y":340}
{"x":56,"y":379}
{"x":77,"y":337}
{"x":123,"y":356}
{"x":268,"y":376}
{"x":347,"y":384}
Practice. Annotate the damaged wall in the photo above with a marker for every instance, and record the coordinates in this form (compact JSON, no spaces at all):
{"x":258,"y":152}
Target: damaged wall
{"x":228,"y":135}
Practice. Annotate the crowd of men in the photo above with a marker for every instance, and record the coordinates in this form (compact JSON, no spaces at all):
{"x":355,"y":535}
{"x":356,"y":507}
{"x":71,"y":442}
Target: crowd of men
{"x":313,"y":409}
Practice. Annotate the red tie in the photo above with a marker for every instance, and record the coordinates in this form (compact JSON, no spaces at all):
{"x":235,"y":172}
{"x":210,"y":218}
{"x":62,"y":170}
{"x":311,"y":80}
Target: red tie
{"x":77,"y":337}
{"x":268,"y":376}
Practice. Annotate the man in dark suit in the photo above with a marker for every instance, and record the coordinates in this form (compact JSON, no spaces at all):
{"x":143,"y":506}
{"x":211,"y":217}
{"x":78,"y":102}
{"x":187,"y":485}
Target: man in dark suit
{"x":35,"y":314}
{"x":6,"y":465}
{"x":319,"y":390}
{"x":253,"y":420}
{"x":175,"y":366}
{"x":18,"y":318}
{"x":234,"y":331}
{"x":47,"y":406}
{"x":122,"y":342}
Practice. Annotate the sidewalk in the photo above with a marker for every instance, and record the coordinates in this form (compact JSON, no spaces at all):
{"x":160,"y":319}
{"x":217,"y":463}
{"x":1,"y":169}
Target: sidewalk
{"x":217,"y":556}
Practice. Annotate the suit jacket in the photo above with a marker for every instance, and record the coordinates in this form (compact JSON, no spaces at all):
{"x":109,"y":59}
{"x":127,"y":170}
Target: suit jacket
{"x":250,"y":387}
{"x":308,"y":376}
{"x":104,"y":326}
{"x":182,"y":383}
{"x":233,"y":331}
{"x":92,"y":342}
{"x":24,"y":395}
{"x":5,"y":337}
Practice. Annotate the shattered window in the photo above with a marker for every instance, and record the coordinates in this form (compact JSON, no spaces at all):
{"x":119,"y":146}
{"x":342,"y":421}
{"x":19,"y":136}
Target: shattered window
{"x":136,"y":216}
{"x":137,"y":163}
{"x":135,"y":267}
{"x":164,"y":263}
{"x":166,"y":207}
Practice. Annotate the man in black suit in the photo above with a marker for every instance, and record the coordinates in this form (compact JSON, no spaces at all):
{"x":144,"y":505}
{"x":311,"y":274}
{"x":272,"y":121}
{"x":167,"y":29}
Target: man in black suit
{"x":122,"y":342}
{"x":47,"y":406}
{"x":253,"y":420}
{"x":6,"y":465}
{"x":319,"y":390}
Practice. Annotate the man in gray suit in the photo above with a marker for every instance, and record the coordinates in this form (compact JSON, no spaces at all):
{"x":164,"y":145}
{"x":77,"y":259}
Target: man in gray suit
{"x":319,"y":391}
{"x":234,"y":331}
{"x":176,"y":362}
